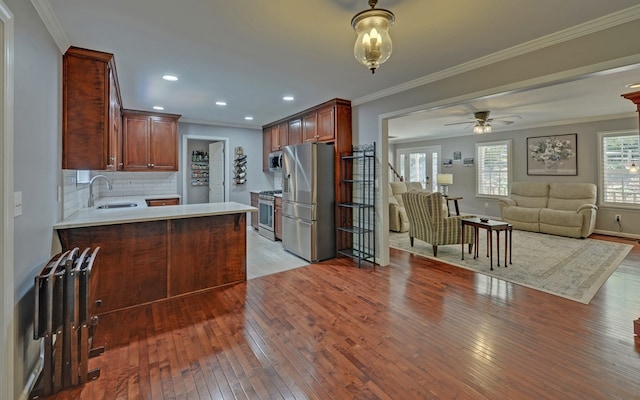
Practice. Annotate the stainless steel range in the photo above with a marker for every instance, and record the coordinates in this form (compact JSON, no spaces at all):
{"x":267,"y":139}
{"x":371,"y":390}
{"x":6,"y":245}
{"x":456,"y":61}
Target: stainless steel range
{"x":266,"y":205}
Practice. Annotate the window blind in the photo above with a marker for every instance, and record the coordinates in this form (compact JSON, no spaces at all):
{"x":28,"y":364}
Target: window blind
{"x":618,"y":184}
{"x":493,"y":169}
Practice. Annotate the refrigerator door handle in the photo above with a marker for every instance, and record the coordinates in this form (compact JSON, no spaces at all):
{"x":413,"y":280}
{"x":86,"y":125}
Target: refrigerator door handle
{"x":285,"y":183}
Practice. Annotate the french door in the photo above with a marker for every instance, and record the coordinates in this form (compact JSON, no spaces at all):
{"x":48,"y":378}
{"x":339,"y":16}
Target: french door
{"x":419,"y":165}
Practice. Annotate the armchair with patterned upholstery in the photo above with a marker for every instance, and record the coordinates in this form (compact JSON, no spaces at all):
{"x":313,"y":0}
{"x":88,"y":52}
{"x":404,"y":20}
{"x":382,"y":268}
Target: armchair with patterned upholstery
{"x":428,"y":220}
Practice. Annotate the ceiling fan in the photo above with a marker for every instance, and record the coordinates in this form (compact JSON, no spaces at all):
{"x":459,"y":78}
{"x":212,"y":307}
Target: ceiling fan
{"x":482,"y":123}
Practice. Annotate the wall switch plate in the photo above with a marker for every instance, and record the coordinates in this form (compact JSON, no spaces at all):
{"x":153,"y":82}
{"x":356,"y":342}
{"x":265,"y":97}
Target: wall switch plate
{"x":17,"y":204}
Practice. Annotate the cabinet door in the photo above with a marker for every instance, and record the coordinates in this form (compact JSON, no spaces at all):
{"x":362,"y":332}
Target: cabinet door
{"x":277,"y":218}
{"x":115,"y":126}
{"x":266,"y":148}
{"x":163,"y":144}
{"x":326,"y":131}
{"x":295,"y":131}
{"x":136,"y":142}
{"x":283,"y":130}
{"x":85,"y":109}
{"x":275,"y":138}
{"x":310,"y":127}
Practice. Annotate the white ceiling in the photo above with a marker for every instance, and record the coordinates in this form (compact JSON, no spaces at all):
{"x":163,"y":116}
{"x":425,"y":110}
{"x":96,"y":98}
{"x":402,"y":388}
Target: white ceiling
{"x":250,"y":53}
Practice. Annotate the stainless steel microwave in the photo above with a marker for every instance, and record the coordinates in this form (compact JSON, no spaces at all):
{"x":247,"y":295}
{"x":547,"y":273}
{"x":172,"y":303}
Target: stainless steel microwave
{"x":275,"y":161}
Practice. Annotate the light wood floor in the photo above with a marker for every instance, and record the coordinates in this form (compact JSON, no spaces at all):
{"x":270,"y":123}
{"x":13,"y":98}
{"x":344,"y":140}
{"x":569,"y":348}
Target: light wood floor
{"x":266,"y":257}
{"x":417,"y":329}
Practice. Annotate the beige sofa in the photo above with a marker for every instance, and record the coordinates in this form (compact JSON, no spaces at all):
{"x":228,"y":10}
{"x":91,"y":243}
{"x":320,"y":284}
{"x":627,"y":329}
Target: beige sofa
{"x":565,"y":209}
{"x":398,"y":220}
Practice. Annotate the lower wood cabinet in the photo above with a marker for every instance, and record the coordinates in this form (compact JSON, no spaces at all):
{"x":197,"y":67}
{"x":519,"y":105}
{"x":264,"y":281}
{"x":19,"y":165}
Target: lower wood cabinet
{"x":174,"y":201}
{"x":277,"y":218}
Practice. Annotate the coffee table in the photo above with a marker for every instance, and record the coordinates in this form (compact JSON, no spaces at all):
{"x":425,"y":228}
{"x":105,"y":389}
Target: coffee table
{"x":490,"y":226}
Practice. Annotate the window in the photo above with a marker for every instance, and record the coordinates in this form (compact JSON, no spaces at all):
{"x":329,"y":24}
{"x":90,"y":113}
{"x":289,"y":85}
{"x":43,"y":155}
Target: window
{"x":618,"y":185}
{"x":494,"y":168}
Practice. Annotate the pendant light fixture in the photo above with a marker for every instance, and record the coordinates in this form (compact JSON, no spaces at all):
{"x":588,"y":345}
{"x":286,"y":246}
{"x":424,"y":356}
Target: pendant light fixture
{"x":373,"y":45}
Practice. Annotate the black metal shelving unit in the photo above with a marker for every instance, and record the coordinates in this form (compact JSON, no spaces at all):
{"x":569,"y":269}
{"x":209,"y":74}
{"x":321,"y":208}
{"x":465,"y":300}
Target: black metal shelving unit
{"x":357,"y":217}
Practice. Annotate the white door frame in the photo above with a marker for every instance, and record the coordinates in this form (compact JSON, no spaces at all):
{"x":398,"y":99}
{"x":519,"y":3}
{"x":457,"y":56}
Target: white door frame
{"x":7,"y":335}
{"x":428,"y":150}
{"x":186,"y":162}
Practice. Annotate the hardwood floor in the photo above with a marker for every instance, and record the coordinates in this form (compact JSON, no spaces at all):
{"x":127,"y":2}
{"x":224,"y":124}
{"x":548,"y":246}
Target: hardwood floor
{"x":417,"y":329}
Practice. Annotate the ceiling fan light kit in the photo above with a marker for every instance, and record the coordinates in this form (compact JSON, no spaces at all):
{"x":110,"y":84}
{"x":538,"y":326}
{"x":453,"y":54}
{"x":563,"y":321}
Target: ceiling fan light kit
{"x":373,"y":45}
{"x":483,"y":124}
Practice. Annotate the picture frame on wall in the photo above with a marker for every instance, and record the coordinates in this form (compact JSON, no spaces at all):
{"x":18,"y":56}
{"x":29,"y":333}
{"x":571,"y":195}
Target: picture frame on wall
{"x":553,"y":155}
{"x":457,"y":155}
{"x":467,"y":162}
{"x":447,"y":163}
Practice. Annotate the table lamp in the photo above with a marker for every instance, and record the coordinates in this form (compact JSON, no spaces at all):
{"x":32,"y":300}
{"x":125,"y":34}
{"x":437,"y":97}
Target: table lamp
{"x":444,"y":180}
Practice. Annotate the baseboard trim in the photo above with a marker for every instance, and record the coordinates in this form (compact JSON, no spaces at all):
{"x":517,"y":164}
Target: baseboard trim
{"x":33,"y":378}
{"x":617,"y":234}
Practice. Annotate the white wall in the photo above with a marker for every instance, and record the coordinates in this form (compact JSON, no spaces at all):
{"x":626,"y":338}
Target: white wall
{"x":251,"y":141}
{"x":37,"y":119}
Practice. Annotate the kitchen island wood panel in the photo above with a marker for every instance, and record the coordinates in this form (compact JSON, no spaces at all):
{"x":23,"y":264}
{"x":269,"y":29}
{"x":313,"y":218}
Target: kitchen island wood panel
{"x":131,"y":266}
{"x":151,"y":260}
{"x":207,"y":252}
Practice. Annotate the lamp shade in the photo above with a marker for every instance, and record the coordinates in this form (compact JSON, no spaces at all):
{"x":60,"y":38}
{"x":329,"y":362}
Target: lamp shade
{"x":373,"y":45}
{"x":445,"y":179}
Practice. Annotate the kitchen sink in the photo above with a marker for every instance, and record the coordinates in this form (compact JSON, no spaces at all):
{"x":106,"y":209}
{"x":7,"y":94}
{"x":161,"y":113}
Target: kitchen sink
{"x":117,"y":205}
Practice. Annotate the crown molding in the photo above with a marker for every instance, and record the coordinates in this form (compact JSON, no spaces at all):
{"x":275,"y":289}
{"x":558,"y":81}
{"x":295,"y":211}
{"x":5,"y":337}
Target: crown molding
{"x":220,"y":124}
{"x":43,"y":7}
{"x":596,"y":25}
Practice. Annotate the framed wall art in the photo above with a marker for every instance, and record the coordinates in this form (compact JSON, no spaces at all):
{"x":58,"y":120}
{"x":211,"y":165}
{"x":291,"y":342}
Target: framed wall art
{"x":552,"y":155}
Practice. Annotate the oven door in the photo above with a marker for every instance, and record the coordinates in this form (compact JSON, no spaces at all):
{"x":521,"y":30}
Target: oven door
{"x":265,"y":214}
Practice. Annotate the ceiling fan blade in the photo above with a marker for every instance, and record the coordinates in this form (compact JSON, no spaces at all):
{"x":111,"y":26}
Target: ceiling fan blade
{"x":503,"y":122}
{"x":460,"y":123}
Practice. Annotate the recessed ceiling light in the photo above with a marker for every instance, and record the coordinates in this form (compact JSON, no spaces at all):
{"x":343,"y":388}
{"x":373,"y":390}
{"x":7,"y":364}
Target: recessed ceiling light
{"x":248,"y":118}
{"x":633,"y":85}
{"x":221,"y":103}
{"x":171,"y":78}
{"x":158,"y":108}
{"x":288,"y":98}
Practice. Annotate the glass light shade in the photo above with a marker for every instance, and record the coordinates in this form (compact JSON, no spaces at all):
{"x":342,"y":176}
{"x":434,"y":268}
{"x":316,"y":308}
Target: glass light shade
{"x":445,"y":179}
{"x":633,"y":168}
{"x":480,"y":129}
{"x":373,"y":45}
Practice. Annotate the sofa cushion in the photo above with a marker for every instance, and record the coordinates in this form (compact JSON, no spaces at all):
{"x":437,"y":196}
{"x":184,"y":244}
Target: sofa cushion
{"x":560,"y":222}
{"x":570,"y":196}
{"x":530,"y":194}
{"x":414,"y":186}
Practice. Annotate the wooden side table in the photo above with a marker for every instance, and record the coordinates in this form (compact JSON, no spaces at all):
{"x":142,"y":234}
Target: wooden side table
{"x":455,"y":202}
{"x":490,"y":226}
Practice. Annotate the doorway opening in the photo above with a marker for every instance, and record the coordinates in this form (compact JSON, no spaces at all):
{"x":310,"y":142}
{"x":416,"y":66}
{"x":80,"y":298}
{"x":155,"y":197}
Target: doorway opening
{"x":205,"y":173}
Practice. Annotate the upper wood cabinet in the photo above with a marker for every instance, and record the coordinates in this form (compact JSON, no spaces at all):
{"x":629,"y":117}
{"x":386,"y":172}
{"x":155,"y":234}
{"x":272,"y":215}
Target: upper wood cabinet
{"x":266,"y":148}
{"x":283,"y":132}
{"x":150,"y":141}
{"x":295,"y":131}
{"x":91,"y":107}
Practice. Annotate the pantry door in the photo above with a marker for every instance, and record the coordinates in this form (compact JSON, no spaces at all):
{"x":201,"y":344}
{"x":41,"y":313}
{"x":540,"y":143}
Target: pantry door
{"x":216,"y":172}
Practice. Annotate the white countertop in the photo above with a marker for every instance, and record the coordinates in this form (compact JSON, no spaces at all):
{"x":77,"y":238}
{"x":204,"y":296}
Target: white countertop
{"x":141,"y":213}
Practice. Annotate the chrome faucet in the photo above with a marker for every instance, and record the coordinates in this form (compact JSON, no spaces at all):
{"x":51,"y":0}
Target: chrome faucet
{"x":109,"y":186}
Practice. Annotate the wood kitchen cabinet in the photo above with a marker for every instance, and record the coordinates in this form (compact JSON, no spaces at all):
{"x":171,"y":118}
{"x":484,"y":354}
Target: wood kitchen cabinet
{"x":254,"y":215}
{"x":91,"y":111}
{"x":150,"y":141}
{"x":173,"y":201}
{"x":277,"y":217}
{"x":295,"y":131}
{"x":266,"y":148}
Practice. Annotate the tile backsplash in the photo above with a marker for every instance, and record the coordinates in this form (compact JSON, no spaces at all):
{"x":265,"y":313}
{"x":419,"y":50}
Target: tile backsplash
{"x":76,"y":196}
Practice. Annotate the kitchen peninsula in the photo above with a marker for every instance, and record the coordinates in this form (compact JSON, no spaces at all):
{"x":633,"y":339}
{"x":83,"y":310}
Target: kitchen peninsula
{"x":154,"y":253}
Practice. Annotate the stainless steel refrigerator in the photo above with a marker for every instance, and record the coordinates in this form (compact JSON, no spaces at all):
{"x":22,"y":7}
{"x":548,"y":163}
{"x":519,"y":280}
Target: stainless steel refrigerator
{"x":308,"y":201}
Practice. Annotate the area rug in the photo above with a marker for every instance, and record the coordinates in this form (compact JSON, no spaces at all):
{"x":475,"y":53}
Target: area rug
{"x":571,"y":268}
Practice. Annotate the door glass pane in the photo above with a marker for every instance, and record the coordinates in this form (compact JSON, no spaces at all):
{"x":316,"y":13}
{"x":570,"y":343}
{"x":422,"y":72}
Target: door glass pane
{"x":418,"y":168}
{"x":402,"y":162}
